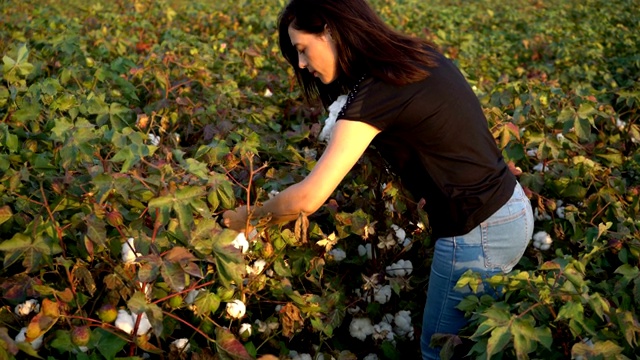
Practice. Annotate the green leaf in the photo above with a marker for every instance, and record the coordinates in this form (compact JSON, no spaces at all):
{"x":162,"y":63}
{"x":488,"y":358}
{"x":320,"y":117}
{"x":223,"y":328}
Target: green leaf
{"x":582,"y":128}
{"x":229,"y":260}
{"x":33,"y":250}
{"x":500,"y":337}
{"x":206,"y":304}
{"x":570,"y":310}
{"x":228,"y":347}
{"x":173,"y":275}
{"x":5,"y":214}
{"x":108,"y":344}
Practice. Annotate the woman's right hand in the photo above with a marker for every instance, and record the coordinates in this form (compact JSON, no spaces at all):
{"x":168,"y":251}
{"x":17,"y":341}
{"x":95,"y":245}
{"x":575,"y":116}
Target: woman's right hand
{"x":235,"y":219}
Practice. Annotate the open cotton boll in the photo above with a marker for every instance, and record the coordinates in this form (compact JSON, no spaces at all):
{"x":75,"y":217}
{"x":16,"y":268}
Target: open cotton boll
{"x":338,"y":254}
{"x":382,"y":294}
{"x":400,"y":268}
{"x":365,"y":250}
{"x":542,"y":240}
{"x":236,"y":309}
{"x":154,"y":139}
{"x":257,"y":267}
{"x":124,"y":321}
{"x":383,"y":331}
{"x":360,"y":328}
{"x":144,"y":325}
{"x":540,"y":167}
{"x":27,"y":307}
{"x":400,"y":233}
{"x":240,"y":242}
{"x":22,"y":337}
{"x":402,"y":320}
{"x":371,"y":356}
{"x":181,"y":345}
{"x":129,"y":253}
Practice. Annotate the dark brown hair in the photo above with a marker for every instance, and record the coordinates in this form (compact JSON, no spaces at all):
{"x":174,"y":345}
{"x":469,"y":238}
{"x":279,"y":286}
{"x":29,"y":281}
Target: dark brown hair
{"x":364,"y":44}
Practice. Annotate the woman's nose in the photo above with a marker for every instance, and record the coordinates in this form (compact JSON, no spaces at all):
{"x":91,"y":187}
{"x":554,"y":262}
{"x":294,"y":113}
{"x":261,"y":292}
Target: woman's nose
{"x":302,"y":62}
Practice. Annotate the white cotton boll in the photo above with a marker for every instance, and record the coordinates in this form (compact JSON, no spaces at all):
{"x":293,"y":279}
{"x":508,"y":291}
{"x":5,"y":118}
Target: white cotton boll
{"x":371,"y":357}
{"x":383,"y":331}
{"x":365,"y":250}
{"x":620,"y":124}
{"x":181,"y":345}
{"x":257,"y":267}
{"x":334,"y":110}
{"x":273,"y":193}
{"x":338,"y":254}
{"x":354,"y":310}
{"x":360,"y":328}
{"x":83,"y":349}
{"x":545,"y":246}
{"x":236,"y":309}
{"x":147,"y":289}
{"x":402,"y":320}
{"x":542,"y":240}
{"x":22,"y":337}
{"x":27,"y":307}
{"x":144,"y":325}
{"x":560,"y":137}
{"x":400,"y":233}
{"x":261,"y":326}
{"x":297,"y":356}
{"x":129,"y":253}
{"x":540,"y":216}
{"x":267,"y":93}
{"x":400,"y":268}
{"x":389,"y":206}
{"x":406,"y":243}
{"x":532,"y":152}
{"x":560,"y":212}
{"x":240,"y":242}
{"x":245,"y":329}
{"x":541,"y":167}
{"x":191,"y":296}
{"x":388,"y":318}
{"x":124,"y":321}
{"x":382,"y":294}
{"x":154,"y":139}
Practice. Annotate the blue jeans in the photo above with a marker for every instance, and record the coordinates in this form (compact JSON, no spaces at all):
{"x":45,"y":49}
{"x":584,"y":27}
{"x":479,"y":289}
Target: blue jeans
{"x":494,"y":246}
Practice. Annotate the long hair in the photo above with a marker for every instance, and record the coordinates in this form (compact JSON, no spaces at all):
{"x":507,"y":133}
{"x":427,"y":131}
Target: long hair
{"x":364,"y":44}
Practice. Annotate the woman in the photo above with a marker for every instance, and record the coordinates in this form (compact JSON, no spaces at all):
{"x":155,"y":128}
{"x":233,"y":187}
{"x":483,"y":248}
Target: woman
{"x":417,"y":109}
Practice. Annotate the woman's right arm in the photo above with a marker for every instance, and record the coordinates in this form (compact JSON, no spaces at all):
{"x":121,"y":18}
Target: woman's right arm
{"x":349,"y":140}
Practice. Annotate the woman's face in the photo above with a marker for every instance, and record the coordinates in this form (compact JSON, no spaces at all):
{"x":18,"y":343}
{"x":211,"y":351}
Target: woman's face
{"x":316,"y":53}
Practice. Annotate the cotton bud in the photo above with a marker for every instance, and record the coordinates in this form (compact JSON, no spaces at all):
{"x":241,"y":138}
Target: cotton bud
{"x":80,"y":335}
{"x":107,"y":313}
{"x":114,"y":218}
{"x":236,"y":309}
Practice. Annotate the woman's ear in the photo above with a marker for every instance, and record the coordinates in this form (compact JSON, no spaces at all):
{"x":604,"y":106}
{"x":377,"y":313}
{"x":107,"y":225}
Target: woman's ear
{"x":327,"y":32}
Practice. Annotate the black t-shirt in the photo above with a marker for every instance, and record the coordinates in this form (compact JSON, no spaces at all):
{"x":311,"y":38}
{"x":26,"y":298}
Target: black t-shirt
{"x":435,"y":136}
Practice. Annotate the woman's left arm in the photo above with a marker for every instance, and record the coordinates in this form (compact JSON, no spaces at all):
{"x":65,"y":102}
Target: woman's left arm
{"x":349,"y":140}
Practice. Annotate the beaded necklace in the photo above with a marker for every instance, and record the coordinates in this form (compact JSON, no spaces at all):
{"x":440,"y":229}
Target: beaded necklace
{"x":352,"y":94}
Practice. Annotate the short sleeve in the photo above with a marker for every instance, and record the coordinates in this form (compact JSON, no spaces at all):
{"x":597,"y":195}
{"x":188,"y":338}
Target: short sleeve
{"x":376,"y":103}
